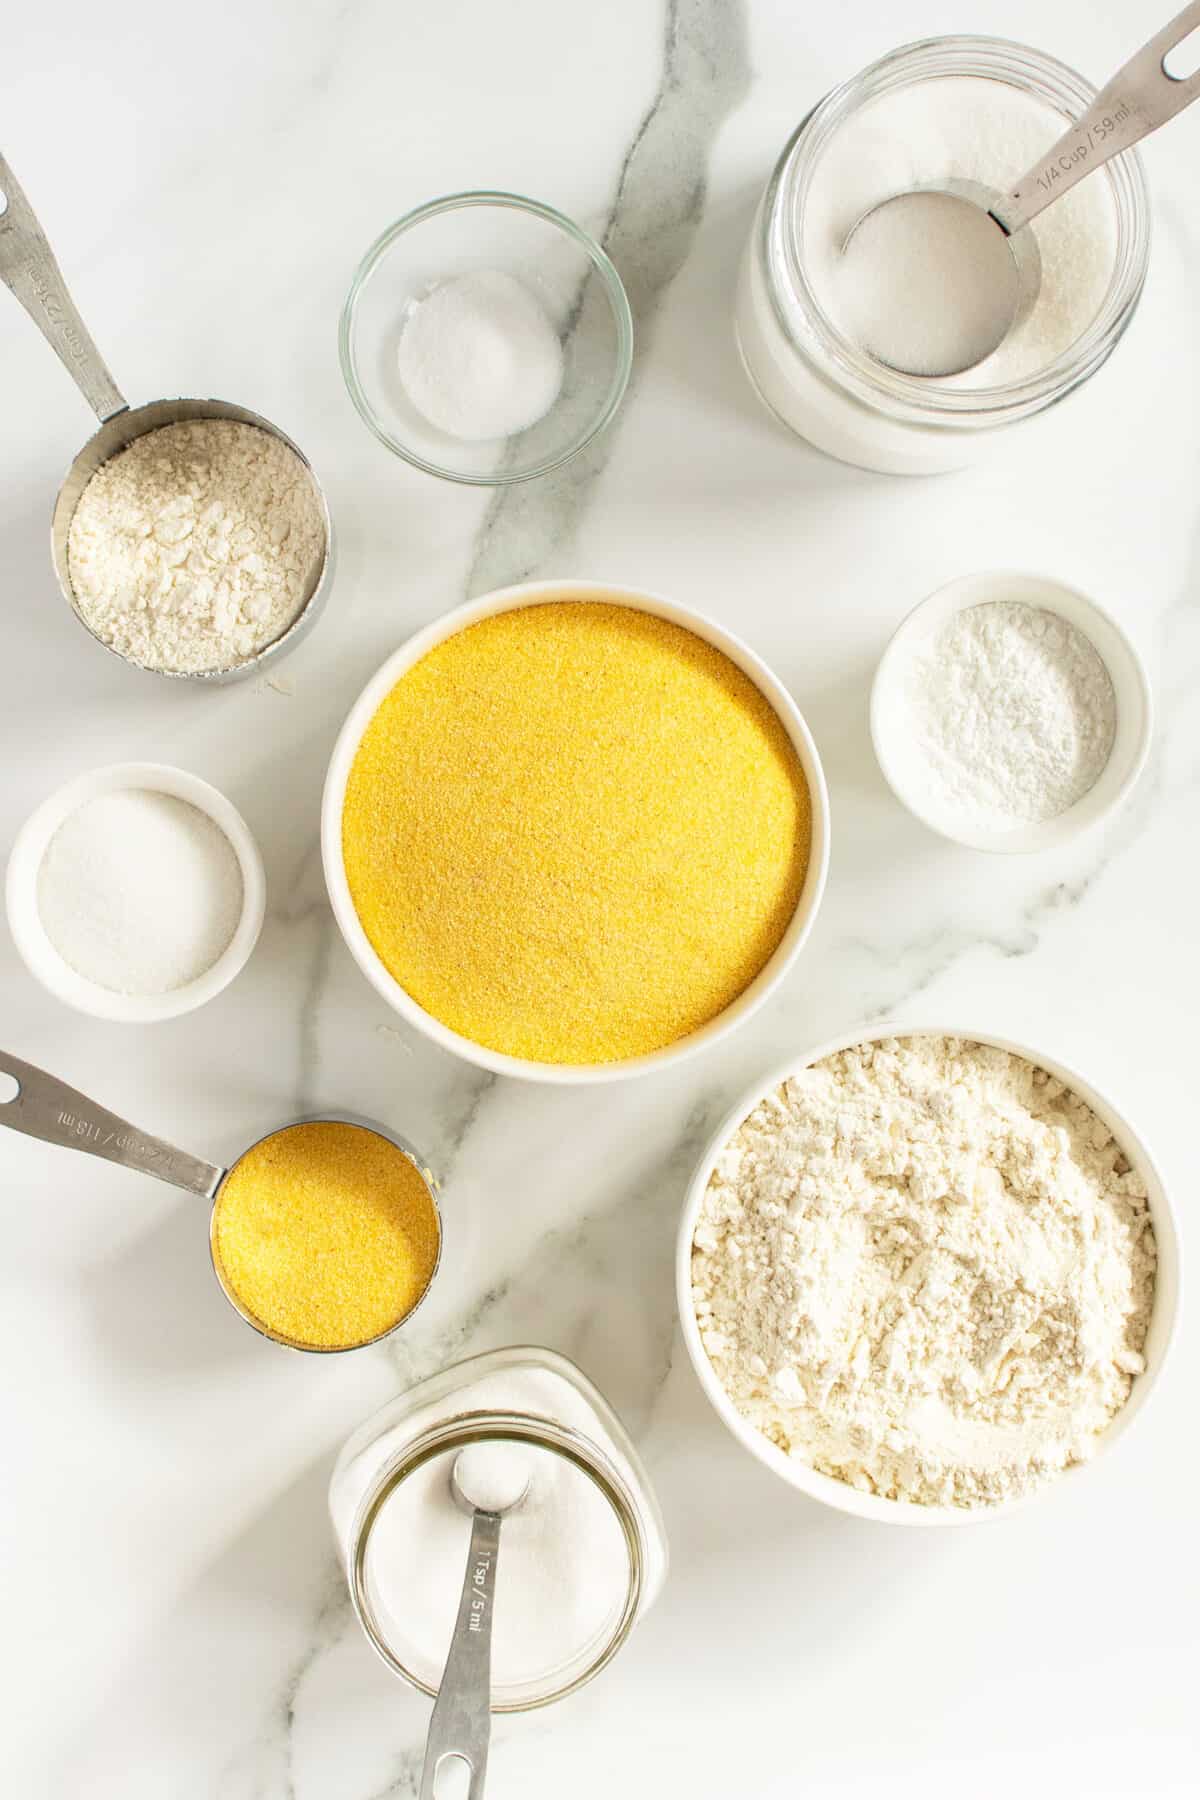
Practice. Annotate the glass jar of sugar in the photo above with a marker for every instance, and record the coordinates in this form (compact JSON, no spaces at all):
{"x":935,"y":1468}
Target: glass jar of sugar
{"x":967,"y":107}
{"x":582,"y":1557}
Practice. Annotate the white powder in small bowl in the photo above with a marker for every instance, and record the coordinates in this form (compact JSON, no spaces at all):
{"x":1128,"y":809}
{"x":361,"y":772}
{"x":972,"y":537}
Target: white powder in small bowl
{"x":139,"y":892}
{"x":1004,"y":717}
{"x":478,"y":357}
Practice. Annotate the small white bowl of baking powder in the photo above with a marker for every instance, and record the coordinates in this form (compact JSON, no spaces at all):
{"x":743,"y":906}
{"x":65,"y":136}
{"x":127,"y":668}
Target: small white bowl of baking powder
{"x":135,"y":892}
{"x":1009,"y":712}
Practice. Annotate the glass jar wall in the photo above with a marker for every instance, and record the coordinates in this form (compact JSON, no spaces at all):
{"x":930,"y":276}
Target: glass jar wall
{"x":827,"y":388}
{"x":590,"y":1540}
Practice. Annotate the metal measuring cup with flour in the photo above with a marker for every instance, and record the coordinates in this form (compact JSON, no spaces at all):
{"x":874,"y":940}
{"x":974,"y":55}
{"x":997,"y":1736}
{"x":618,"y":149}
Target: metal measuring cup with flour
{"x":205,"y":549}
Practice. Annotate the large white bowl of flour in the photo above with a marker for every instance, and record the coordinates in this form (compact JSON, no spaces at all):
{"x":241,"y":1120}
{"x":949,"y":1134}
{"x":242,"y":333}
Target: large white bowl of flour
{"x":1063,"y":1275}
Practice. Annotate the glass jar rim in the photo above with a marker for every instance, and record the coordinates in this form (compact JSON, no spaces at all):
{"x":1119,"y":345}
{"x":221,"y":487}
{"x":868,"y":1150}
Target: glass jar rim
{"x":917,"y":397}
{"x":459,"y":1433}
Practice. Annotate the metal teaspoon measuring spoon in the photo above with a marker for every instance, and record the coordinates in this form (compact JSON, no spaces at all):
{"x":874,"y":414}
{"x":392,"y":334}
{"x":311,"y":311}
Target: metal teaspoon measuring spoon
{"x":28,"y":268}
{"x":962,"y":236}
{"x":460,"y":1728}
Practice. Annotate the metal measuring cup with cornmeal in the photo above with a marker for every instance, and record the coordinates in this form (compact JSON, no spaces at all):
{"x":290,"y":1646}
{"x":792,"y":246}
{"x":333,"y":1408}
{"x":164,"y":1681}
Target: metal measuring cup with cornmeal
{"x":325,"y":1234}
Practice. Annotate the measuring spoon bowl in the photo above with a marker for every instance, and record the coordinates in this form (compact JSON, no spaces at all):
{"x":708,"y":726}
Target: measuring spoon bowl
{"x":937,"y":242}
{"x":44,"y":1107}
{"x":947,"y":234}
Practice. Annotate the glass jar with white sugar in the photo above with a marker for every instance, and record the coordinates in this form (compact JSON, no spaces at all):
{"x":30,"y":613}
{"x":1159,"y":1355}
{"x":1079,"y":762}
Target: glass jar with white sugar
{"x":582,"y":1557}
{"x":974,"y":108}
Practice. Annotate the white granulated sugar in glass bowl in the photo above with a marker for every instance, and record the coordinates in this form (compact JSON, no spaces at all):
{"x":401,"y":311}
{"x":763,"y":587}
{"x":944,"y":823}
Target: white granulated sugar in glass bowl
{"x":922,"y":1276}
{"x":479,"y":358}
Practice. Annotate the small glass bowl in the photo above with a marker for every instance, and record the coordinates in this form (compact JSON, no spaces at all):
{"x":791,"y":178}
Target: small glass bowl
{"x":567,"y":271}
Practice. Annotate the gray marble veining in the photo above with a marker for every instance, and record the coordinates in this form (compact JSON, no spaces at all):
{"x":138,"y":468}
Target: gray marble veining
{"x":177,"y":1621}
{"x":651,"y":225}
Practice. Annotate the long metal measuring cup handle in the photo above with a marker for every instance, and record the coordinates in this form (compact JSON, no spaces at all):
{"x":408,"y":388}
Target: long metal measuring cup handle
{"x":1139,"y":98}
{"x":27,"y":266}
{"x":46,"y":1108}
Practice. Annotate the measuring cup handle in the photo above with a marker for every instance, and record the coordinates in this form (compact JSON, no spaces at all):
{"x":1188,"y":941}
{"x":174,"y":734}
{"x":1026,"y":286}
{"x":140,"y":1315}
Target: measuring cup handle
{"x":48,"y":1109}
{"x":27,"y":266}
{"x":1139,"y":98}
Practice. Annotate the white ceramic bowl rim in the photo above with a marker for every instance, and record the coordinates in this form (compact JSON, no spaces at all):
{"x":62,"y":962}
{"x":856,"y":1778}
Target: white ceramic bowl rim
{"x":41,"y":957}
{"x":1131,"y":686}
{"x":512,"y":599}
{"x":839,"y":1494}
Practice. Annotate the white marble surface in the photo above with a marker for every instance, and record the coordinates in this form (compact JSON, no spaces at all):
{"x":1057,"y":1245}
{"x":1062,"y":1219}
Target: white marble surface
{"x":174,"y":1623}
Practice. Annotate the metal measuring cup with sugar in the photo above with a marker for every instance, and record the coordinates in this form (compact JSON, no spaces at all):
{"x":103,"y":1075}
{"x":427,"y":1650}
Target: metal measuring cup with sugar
{"x":28,"y":268}
{"x":44,"y":1107}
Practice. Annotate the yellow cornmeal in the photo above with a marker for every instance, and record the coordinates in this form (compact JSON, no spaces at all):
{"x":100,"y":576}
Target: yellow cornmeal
{"x":575,"y":832}
{"x":326,"y":1233}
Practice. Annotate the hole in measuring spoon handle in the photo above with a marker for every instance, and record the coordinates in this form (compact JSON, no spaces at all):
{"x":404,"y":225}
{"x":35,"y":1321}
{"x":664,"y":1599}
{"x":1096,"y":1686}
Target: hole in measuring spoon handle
{"x":10,"y":1088}
{"x":452,"y":1777}
{"x":1182,"y":60}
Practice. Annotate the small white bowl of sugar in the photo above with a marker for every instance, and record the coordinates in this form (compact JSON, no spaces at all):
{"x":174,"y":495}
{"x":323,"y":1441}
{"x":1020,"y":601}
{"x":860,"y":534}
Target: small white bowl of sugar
{"x":1009,"y":712}
{"x":135,"y":892}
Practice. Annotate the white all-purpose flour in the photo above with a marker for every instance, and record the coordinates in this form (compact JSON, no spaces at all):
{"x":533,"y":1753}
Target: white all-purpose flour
{"x":926,"y":1268}
{"x":197,"y":546}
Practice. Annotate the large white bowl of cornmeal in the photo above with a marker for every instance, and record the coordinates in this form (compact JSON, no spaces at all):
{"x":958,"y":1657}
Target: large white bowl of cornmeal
{"x":574,"y":831}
